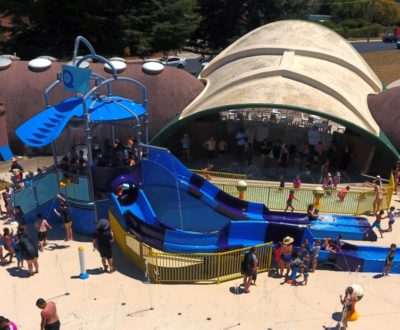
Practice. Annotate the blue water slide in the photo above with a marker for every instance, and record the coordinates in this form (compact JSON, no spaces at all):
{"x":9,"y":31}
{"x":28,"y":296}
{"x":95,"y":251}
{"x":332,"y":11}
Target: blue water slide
{"x":364,"y":258}
{"x":46,"y":127}
{"x":354,"y":228}
{"x":184,"y":215}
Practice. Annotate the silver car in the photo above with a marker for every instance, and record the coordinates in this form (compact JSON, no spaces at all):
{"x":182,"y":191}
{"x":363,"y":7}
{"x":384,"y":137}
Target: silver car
{"x":177,"y":62}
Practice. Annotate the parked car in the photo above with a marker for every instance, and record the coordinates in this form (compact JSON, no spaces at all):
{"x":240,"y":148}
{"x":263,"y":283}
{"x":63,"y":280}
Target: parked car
{"x":177,"y":62}
{"x":398,"y":44}
{"x":390,"y":37}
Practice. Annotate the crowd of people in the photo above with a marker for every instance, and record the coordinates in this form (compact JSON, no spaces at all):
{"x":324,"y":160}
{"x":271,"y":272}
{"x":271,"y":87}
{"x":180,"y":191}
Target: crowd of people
{"x":316,"y":157}
{"x":25,"y":249}
{"x":118,"y":154}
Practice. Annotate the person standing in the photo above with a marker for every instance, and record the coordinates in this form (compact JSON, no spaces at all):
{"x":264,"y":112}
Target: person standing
{"x":222,"y":147}
{"x":8,"y":239}
{"x":396,"y":175}
{"x":346,"y":157}
{"x":50,"y":319}
{"x":336,"y":180}
{"x":248,"y":267}
{"x":379,"y":194}
{"x":315,"y":254}
{"x":297,"y":182}
{"x":377,"y":222}
{"x":289,"y":202}
{"x":185,"y":146}
{"x":102,"y":238}
{"x":348,"y":302}
{"x":211,"y":147}
{"x":241,"y":136}
{"x":29,"y":252}
{"x":7,"y":203}
{"x":16,"y":166}
{"x":389,"y":260}
{"x":64,"y":214}
{"x":42,"y":227}
{"x":266,"y":152}
{"x":286,"y":255}
{"x":19,"y":217}
{"x":342,"y":193}
{"x":391,"y":216}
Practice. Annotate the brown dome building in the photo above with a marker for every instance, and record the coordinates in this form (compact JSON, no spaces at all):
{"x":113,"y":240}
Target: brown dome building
{"x":22,"y":93}
{"x":384,"y":108}
{"x":3,"y":127}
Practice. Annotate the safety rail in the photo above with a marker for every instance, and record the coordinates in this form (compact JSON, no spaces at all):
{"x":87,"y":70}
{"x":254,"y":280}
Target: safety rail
{"x":166,"y":267}
{"x":41,"y":188}
{"x":36,"y":191}
{"x":355,"y":202}
{"x":211,"y":175}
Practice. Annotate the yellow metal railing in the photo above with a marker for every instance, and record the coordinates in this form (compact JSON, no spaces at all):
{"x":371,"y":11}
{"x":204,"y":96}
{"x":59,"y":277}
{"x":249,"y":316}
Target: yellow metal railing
{"x":274,"y":197}
{"x":166,"y":267}
{"x":210,"y":175}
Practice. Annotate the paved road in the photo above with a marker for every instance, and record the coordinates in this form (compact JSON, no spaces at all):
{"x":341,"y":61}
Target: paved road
{"x":373,"y":46}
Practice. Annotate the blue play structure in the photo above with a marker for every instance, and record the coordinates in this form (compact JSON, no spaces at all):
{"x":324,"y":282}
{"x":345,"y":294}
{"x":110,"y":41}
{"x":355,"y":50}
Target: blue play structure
{"x":92,"y":104}
{"x":172,"y":209}
{"x":159,"y":200}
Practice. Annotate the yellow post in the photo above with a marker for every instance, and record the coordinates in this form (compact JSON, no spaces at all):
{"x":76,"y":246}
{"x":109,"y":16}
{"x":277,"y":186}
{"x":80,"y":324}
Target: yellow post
{"x":241,"y":186}
{"x":218,"y":267}
{"x":318,"y":193}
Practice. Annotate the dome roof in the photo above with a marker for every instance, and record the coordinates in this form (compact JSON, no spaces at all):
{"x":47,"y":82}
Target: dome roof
{"x":292,"y":64}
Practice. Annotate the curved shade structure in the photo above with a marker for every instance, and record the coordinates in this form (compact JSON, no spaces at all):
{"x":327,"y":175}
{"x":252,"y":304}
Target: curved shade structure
{"x":292,"y":64}
{"x":46,"y":126}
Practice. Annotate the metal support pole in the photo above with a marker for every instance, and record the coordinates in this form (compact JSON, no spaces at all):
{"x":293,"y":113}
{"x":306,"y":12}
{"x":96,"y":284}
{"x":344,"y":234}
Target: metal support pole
{"x":146,"y":128}
{"x":54,"y":152}
{"x":90,"y":161}
{"x":113,"y":135}
{"x":69,"y":144}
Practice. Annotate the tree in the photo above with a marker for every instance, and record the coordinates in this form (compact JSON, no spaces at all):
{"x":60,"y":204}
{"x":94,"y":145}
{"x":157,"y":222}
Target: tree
{"x":50,"y":27}
{"x":159,"y":25}
{"x":224,"y":21}
{"x":385,"y":12}
{"x":344,"y":10}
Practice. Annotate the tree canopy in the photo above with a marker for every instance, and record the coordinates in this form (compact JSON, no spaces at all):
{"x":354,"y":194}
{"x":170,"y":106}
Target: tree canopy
{"x":144,"y":27}
{"x":224,"y":21}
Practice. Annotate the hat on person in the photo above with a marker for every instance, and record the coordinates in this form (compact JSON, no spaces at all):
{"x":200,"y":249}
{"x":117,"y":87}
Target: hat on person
{"x":288,"y":240}
{"x":103,"y":224}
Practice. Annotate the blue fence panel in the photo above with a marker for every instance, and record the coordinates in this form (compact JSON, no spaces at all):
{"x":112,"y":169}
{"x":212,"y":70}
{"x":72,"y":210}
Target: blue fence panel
{"x":46,"y":187}
{"x":25,"y":198}
{"x":78,"y":189}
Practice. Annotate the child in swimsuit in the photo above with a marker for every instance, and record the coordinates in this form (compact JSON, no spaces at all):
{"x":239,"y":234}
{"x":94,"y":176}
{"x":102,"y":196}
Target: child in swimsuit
{"x":289,"y":201}
{"x":304,"y":268}
{"x":389,"y":260}
{"x":8,"y":243}
{"x":391,"y":218}
{"x":377,"y":222}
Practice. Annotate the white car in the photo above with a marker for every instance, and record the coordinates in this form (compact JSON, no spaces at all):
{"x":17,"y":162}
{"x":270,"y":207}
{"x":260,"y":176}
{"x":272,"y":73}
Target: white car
{"x":177,"y":62}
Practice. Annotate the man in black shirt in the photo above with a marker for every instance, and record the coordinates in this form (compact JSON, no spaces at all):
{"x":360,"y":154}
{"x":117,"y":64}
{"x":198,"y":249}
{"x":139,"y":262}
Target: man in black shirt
{"x":102,"y":238}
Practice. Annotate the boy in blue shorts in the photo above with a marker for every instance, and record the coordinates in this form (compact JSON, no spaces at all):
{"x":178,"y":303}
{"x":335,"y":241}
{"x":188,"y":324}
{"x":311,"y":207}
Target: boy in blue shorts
{"x":377,"y":222}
